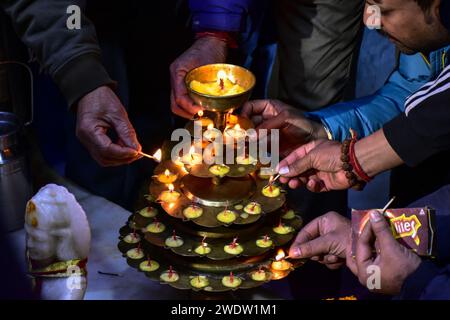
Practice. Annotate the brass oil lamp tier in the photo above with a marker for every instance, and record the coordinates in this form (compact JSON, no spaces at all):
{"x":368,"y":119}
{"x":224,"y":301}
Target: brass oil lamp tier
{"x":212,"y":227}
{"x":220,"y":88}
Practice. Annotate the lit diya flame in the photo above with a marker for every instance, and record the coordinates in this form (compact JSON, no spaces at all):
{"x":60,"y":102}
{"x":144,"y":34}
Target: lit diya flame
{"x":192,"y":158}
{"x":211,"y":133}
{"x":167,"y":177}
{"x":171,"y":195}
{"x":224,"y":85}
{"x":236,"y":132}
{"x":204,"y":121}
{"x":280,"y":263}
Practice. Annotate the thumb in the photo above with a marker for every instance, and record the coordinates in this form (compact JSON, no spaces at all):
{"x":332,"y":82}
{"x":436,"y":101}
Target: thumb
{"x":381,"y":229}
{"x":296,"y":167}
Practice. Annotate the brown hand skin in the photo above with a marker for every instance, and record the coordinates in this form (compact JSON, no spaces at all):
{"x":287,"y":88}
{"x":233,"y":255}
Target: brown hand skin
{"x":98,"y":112}
{"x":316,"y":165}
{"x":295,"y":129}
{"x":206,"y":50}
{"x":323,"y":240}
{"x":395,"y":261}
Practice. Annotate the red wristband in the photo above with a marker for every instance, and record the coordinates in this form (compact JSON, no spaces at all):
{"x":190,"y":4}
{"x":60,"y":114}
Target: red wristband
{"x":227,"y":37}
{"x":354,"y":161}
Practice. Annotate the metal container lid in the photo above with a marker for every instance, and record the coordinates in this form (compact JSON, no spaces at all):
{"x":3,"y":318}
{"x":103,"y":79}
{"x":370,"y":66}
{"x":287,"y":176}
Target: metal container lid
{"x":9,"y":129}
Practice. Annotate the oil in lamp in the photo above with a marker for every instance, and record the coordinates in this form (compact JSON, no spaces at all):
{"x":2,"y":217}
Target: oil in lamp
{"x":233,"y":248}
{"x":289,"y":215}
{"x":174,"y":241}
{"x":246,"y":160}
{"x":135,"y":253}
{"x":271,"y":190}
{"x":156,"y":227}
{"x":167,"y":177}
{"x":283,"y":229}
{"x":253,"y":208}
{"x":224,"y":85}
{"x":169,"y":275}
{"x":227,"y":216}
{"x":199,"y":282}
{"x":192,"y":158}
{"x":264,"y":242}
{"x":260,"y":275}
{"x":193,"y":212}
{"x":280,"y":263}
{"x":149,"y":212}
{"x":219,"y":170}
{"x":132,"y":238}
{"x":149,"y":265}
{"x":231,"y":281}
{"x":170,"y":195}
{"x":203,"y":248}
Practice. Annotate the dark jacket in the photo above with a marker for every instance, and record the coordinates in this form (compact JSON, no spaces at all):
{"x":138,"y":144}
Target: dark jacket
{"x":71,"y":57}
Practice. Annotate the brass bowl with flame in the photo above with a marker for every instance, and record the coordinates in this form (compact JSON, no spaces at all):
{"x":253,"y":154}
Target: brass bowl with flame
{"x":208,"y":74}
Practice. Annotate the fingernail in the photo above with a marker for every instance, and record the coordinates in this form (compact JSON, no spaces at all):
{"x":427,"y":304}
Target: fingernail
{"x":284,"y":170}
{"x":375,"y":216}
{"x":297,"y":253}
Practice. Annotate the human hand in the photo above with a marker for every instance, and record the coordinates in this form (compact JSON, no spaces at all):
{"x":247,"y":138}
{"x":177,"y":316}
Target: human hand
{"x":394,"y":261}
{"x":205,"y":50}
{"x":98,"y":112}
{"x":316,"y":165}
{"x":294,"y":128}
{"x":324,"y":240}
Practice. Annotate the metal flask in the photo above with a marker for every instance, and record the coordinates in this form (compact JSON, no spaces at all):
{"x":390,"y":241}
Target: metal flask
{"x":15,"y":180}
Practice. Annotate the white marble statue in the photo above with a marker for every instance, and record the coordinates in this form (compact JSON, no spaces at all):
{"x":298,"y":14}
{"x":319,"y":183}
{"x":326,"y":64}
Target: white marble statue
{"x":58,"y":242}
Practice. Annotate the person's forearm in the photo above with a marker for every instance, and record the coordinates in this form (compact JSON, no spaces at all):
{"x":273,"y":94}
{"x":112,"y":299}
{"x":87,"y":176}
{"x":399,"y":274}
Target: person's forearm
{"x":375,"y":155}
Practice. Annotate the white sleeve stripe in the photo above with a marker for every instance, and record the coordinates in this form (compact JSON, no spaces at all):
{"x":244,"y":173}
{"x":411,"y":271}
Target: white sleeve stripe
{"x":418,"y":101}
{"x":430,"y":85}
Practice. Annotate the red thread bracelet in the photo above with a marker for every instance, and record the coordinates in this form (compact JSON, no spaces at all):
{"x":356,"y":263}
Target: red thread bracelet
{"x":354,"y":161}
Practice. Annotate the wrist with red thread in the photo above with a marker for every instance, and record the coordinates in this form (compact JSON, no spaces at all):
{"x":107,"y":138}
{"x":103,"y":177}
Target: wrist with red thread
{"x":355,"y":163}
{"x":227,"y":37}
{"x":348,"y":163}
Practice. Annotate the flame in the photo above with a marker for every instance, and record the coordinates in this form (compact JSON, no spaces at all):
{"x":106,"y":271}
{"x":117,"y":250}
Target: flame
{"x":171,"y":205}
{"x":280,"y":255}
{"x":221,"y":75}
{"x":167,"y":173}
{"x":158,"y":155}
{"x":192,"y":150}
{"x":210,"y":126}
{"x":171,"y":187}
{"x":200,"y":113}
{"x":237,"y":127}
{"x":271,"y":180}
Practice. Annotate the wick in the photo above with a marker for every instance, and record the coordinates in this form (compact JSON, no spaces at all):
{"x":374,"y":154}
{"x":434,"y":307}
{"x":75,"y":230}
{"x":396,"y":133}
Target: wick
{"x":231,"y":277}
{"x":222,"y":84}
{"x":254,"y":206}
{"x":266,"y":238}
{"x":170,"y":272}
{"x":234,"y":243}
{"x":203,"y":242}
{"x":174,"y":235}
{"x":149,"y":261}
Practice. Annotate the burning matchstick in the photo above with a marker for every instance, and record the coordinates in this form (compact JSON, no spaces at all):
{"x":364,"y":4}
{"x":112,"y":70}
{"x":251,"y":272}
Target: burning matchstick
{"x":156,"y":156}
